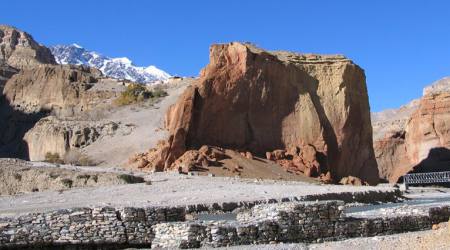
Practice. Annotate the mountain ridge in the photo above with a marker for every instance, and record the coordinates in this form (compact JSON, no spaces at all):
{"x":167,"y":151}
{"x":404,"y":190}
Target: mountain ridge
{"x":119,"y":67}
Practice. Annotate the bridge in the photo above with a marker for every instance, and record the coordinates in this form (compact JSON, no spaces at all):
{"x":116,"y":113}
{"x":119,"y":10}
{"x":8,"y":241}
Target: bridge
{"x":426,"y":178}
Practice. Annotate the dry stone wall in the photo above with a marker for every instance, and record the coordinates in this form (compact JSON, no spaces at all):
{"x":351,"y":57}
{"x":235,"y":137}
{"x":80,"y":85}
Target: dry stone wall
{"x":86,"y":226}
{"x":165,"y":227}
{"x":289,"y":222}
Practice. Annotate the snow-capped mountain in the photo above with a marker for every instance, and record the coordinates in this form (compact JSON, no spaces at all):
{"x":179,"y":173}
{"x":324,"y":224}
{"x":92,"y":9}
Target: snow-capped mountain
{"x":121,"y":68}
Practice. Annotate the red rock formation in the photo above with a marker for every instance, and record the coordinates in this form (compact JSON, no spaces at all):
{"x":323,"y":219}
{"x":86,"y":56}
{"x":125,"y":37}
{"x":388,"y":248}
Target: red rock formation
{"x":423,"y":145}
{"x":258,"y":101}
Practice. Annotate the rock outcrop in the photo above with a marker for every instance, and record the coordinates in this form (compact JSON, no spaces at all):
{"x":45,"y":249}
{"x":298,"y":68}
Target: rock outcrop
{"x":54,"y":135}
{"x":421,"y":143}
{"x":56,"y":88}
{"x":20,"y":50}
{"x":253,"y":100}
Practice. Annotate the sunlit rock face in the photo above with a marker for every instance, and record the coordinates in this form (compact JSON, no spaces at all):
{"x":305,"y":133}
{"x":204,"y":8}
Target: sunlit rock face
{"x":258,"y":101}
{"x":420,"y":141}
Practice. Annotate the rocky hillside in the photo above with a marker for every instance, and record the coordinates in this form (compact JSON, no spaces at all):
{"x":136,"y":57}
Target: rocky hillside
{"x":33,"y":87}
{"x":20,"y":50}
{"x":313,"y":109}
{"x":415,"y":137}
{"x":120,"y":68}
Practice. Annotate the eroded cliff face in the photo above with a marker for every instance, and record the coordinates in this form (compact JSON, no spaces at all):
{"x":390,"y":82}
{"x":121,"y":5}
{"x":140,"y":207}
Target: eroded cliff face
{"x":20,"y":50}
{"x":64,"y":91}
{"x":258,"y":101}
{"x":57,"y":88}
{"x":32,"y":86}
{"x":422,"y":143}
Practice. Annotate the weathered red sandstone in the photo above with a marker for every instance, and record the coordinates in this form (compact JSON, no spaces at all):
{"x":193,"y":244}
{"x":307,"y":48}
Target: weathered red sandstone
{"x":253,"y":100}
{"x":422,"y":144}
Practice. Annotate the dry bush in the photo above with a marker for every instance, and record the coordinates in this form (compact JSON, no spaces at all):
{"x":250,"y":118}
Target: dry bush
{"x":77,"y":158}
{"x":53,"y":158}
{"x":136,"y":93}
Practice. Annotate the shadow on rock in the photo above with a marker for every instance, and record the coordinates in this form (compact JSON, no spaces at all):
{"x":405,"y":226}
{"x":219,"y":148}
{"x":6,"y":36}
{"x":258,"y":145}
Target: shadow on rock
{"x":14,"y":124}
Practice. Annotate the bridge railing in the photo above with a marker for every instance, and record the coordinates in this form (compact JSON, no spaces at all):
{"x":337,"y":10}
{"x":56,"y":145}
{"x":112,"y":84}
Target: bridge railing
{"x":426,"y":178}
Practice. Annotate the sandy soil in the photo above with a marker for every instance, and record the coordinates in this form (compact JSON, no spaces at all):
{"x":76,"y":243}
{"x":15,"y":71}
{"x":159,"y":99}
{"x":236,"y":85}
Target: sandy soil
{"x":148,"y":123}
{"x":171,"y":189}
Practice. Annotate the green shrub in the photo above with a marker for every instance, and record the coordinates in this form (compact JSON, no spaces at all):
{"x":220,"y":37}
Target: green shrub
{"x":134,"y":93}
{"x":138,"y":93}
{"x":53,"y":158}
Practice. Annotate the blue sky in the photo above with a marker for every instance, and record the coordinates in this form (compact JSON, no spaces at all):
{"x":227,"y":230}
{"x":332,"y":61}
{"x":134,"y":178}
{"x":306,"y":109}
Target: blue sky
{"x":402,"y":45}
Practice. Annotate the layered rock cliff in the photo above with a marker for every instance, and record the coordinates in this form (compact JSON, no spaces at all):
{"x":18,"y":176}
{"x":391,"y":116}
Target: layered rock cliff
{"x":20,"y":50}
{"x":258,"y":101}
{"x":421,"y":141}
{"x":57,"y":88}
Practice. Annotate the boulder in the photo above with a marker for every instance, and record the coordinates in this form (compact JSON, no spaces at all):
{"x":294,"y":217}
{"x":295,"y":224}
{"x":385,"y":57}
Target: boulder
{"x":253,"y":100}
{"x":351,"y":180}
{"x":249,"y":155}
{"x":279,"y":154}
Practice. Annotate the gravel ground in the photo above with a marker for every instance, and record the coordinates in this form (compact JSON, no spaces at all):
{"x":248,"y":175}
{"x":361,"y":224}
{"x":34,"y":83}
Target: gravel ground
{"x":171,"y":189}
